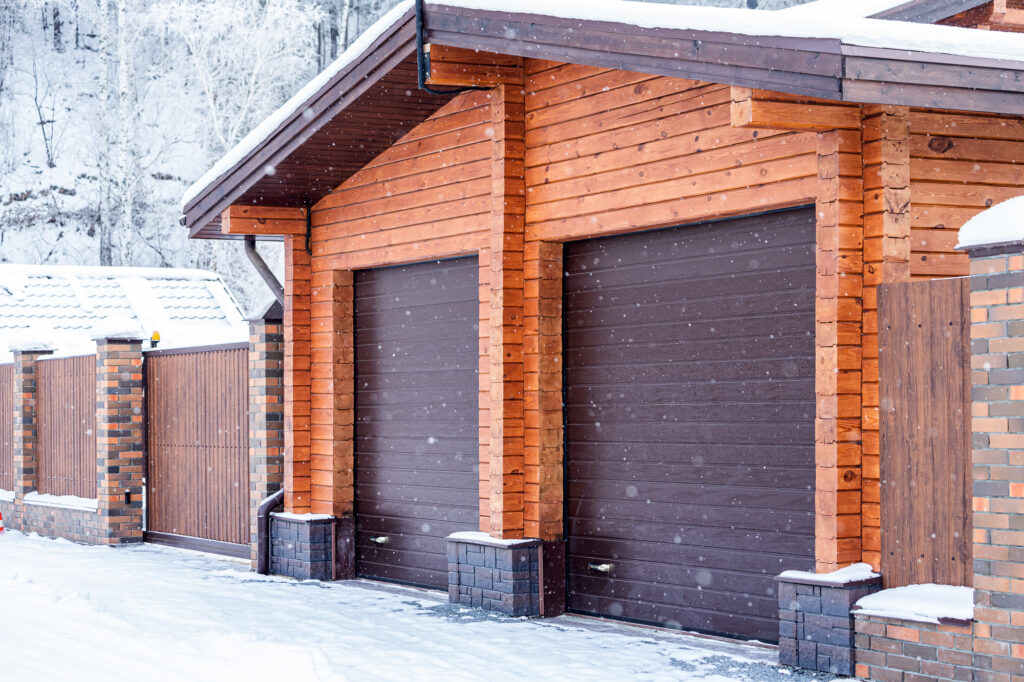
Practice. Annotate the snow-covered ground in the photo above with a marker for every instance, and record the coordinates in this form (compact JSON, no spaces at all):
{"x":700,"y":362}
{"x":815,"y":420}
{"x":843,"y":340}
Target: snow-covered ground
{"x":70,"y":612}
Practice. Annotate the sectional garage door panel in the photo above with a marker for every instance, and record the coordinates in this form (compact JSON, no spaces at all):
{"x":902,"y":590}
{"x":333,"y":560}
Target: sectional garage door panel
{"x":416,"y":435}
{"x":689,"y":359}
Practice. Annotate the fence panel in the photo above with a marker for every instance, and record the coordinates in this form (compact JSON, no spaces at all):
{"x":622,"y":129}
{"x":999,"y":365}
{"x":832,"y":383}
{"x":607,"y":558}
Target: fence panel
{"x":197,"y":473}
{"x":66,"y":413}
{"x":7,"y":427}
{"x":925,"y":399}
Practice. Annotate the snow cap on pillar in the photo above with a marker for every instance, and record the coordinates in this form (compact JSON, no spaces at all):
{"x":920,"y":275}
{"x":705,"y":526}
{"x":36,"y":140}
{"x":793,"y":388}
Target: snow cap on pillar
{"x":999,"y":229}
{"x":118,"y":327}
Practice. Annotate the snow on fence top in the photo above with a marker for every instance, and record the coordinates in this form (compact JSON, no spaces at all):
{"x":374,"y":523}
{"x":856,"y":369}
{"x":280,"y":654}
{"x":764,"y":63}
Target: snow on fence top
{"x":998,"y":225}
{"x":828,"y":19}
{"x":63,"y":308}
{"x":921,"y":603}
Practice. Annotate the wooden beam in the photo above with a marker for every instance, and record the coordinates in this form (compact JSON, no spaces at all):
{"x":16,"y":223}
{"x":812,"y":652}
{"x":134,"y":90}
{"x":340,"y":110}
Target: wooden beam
{"x":753,"y":108}
{"x":460,"y":67}
{"x":262,"y":221}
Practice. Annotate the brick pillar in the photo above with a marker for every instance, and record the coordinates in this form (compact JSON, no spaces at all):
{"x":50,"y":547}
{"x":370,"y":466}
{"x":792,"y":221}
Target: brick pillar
{"x":997,"y":353}
{"x":119,"y":438}
{"x":266,"y":411}
{"x":26,"y":466}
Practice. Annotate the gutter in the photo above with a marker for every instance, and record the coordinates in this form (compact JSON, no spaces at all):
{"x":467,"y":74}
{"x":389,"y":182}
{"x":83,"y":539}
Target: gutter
{"x":263,"y":269}
{"x":263,"y":531}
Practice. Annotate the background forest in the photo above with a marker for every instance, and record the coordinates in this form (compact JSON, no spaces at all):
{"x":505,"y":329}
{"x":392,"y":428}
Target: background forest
{"x":110,"y":109}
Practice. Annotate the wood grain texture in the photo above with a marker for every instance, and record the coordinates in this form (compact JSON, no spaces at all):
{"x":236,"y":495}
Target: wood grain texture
{"x":690,"y":413}
{"x":66,"y":404}
{"x":924,"y":368}
{"x":198,"y":445}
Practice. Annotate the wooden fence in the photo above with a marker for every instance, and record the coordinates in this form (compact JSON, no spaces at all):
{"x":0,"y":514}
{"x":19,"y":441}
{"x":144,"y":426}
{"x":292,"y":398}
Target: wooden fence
{"x":197,"y":446}
{"x":66,"y":405}
{"x":7,"y":427}
{"x":925,"y":399}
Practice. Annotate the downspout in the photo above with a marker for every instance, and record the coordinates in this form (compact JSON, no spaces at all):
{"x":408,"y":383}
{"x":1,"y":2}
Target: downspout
{"x":261,"y":267}
{"x":263,"y":531}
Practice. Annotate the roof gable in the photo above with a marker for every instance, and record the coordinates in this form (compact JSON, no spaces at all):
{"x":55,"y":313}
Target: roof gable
{"x":369,"y":99}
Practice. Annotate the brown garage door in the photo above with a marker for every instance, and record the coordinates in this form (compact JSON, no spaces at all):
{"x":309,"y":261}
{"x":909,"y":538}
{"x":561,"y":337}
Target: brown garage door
{"x":416,"y":331}
{"x":690,"y":421}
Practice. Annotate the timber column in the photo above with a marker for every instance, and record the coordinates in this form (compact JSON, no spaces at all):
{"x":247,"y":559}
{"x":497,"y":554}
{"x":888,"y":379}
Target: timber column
{"x":120,"y":431}
{"x":997,"y":361}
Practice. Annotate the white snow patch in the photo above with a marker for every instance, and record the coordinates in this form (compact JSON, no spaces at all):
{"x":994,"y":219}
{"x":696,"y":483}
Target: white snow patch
{"x":481,"y":538}
{"x":170,"y":615}
{"x":118,"y":327}
{"x":301,"y":517}
{"x":1002,"y":223}
{"x":823,"y":9}
{"x":62,"y":501}
{"x":920,"y":603}
{"x":863,"y":32}
{"x":38,"y":337}
{"x":6,"y":495}
{"x":17,"y":274}
{"x":259,"y":134}
{"x":849,"y":574}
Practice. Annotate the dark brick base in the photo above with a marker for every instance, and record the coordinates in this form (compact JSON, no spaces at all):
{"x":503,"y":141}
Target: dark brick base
{"x":312,"y":548}
{"x":495,"y":575}
{"x":77,"y":525}
{"x":816,"y":629}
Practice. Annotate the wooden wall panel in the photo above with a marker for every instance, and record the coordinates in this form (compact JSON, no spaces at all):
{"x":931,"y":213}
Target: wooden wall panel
{"x":609,"y":151}
{"x":427,"y":197}
{"x":925,"y":431}
{"x":960,"y":164}
{"x":7,"y":427}
{"x":67,"y":426}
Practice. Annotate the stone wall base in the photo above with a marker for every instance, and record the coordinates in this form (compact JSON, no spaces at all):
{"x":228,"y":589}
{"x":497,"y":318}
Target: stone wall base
{"x":77,"y":525}
{"x":816,"y":630}
{"x":312,"y":547}
{"x":894,"y":649}
{"x":514,"y":577}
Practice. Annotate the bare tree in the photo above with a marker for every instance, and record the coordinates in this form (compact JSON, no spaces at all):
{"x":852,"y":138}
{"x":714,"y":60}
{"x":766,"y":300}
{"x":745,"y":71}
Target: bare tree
{"x":44,"y":96}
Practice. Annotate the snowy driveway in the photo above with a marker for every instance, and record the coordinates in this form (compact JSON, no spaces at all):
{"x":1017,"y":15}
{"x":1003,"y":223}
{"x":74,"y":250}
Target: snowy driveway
{"x":69,"y":612}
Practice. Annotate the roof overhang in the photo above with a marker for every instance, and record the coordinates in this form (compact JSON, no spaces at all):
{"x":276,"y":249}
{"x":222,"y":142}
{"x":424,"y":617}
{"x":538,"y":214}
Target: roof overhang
{"x":374,"y":100}
{"x":928,"y":11}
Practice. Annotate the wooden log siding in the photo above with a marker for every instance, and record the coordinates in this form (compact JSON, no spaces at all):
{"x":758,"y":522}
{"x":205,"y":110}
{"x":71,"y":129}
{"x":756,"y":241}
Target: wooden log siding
{"x":198,"y":444}
{"x":66,"y":405}
{"x":960,"y":164}
{"x":426,"y":197}
{"x":7,"y":427}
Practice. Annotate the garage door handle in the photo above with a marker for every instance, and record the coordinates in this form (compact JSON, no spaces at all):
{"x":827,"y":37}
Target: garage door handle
{"x":379,"y":539}
{"x":600,"y":568}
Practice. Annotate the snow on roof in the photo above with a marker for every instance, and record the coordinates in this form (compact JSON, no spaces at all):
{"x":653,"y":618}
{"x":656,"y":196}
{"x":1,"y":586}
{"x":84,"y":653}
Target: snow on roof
{"x":922,"y":603}
{"x":259,"y":134}
{"x":64,"y":307}
{"x":830,"y":8}
{"x":834,"y":19}
{"x":997,"y":225}
{"x":850,"y":574}
{"x":851,"y":30}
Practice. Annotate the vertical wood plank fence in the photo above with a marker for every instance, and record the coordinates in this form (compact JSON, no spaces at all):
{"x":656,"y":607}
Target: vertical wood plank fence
{"x":925,"y":398}
{"x":66,"y":404}
{"x":7,"y":427}
{"x":197,"y":446}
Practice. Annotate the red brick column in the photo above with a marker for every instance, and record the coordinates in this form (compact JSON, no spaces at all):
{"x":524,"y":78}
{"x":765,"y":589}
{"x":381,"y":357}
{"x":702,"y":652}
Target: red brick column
{"x":26,"y":466}
{"x":997,"y":353}
{"x":119,"y":438}
{"x":266,"y":411}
